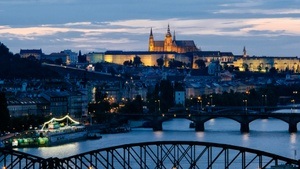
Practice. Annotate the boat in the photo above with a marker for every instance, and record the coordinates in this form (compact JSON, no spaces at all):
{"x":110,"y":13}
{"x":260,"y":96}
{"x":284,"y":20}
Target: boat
{"x":94,"y":135}
{"x":53,"y":132}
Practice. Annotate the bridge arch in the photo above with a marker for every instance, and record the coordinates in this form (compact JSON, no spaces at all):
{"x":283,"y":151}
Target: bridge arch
{"x":177,"y":154}
{"x":11,"y":159}
{"x":160,"y":154}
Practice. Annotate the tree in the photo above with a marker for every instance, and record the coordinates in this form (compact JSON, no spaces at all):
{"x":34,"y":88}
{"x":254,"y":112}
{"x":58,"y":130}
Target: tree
{"x":166,"y":95}
{"x":137,"y":61}
{"x":100,"y":96}
{"x":200,"y":63}
{"x":127,"y":63}
{"x":298,"y":69}
{"x":225,"y":67}
{"x":133,"y":107}
{"x":267,"y":69}
{"x":99,"y":109}
{"x":259,"y":67}
{"x":58,"y":61}
{"x":4,"y":113}
{"x":4,"y":51}
{"x":160,"y":62}
{"x":112,"y":71}
{"x":273,"y":71}
{"x":175,"y":63}
{"x":246,"y":67}
{"x":98,"y":67}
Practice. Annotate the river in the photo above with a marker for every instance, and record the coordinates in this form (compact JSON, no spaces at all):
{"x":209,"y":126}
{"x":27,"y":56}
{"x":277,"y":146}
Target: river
{"x":269,"y":135}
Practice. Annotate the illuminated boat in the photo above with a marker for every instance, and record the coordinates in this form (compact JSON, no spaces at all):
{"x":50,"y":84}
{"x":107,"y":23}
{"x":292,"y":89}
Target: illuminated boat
{"x":61,"y":130}
{"x":54,"y":132}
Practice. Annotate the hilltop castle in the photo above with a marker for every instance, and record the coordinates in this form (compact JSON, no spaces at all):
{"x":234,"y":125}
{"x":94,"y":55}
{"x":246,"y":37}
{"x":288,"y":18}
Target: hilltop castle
{"x":170,"y":44}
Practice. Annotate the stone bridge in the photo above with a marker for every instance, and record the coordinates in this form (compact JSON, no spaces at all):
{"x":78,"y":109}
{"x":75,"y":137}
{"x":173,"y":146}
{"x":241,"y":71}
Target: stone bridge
{"x":243,"y":115}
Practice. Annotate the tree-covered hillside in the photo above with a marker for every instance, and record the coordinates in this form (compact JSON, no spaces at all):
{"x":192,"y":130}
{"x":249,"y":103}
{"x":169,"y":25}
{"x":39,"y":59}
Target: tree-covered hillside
{"x":12,"y":66}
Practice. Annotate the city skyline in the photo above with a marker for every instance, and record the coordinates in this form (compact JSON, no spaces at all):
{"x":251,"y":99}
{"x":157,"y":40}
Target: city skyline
{"x":266,"y":28}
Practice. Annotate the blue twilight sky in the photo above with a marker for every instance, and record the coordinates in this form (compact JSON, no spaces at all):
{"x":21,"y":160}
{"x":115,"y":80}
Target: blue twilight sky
{"x":265,"y":27}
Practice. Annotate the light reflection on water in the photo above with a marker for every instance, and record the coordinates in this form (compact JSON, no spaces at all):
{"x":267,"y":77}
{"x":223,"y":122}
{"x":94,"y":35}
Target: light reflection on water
{"x":269,"y":135}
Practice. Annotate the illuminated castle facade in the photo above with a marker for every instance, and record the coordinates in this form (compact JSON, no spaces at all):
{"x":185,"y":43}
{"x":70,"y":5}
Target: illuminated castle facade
{"x":170,"y":44}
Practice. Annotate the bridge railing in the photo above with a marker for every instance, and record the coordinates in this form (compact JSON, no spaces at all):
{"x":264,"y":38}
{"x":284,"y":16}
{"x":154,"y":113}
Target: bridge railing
{"x":162,"y":154}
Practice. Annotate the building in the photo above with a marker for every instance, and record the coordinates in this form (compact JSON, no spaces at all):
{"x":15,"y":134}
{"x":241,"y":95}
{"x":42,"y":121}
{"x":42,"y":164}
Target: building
{"x":265,"y":63}
{"x":58,"y":102}
{"x":24,"y":106}
{"x":72,"y":57}
{"x":76,"y":104}
{"x":37,"y":53}
{"x":147,"y":58}
{"x":95,"y":57}
{"x":211,"y":56}
{"x":63,"y":57}
{"x":170,"y":44}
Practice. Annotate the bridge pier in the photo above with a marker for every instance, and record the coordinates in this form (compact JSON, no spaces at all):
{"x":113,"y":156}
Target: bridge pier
{"x":199,"y":126}
{"x":292,"y":128}
{"x":244,"y":128}
{"x":157,"y":125}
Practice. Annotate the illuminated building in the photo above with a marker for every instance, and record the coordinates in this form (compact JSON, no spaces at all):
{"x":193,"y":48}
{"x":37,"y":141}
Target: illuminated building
{"x":37,"y":53}
{"x":170,"y":44}
{"x":265,"y":63}
{"x":147,"y":58}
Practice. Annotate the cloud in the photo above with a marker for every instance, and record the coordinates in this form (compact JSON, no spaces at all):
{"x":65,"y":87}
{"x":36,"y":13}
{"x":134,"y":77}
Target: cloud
{"x":133,"y":34}
{"x":259,"y":11}
{"x":228,"y":27}
{"x":245,"y":4}
{"x":35,"y":1}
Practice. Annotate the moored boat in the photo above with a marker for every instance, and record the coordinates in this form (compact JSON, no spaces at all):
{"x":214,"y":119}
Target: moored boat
{"x":94,"y":135}
{"x":54,"y":132}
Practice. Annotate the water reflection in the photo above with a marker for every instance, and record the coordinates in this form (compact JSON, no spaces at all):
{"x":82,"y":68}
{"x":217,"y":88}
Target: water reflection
{"x":270,"y":135}
{"x":158,"y":134}
{"x":200,"y":134}
{"x":245,"y":136}
{"x":293,"y":138}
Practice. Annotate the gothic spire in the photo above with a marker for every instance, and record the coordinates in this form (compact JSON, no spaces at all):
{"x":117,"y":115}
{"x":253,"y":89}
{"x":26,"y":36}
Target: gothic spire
{"x":151,"y":34}
{"x":168,"y":32}
{"x":244,"y":51}
{"x":174,"y":38}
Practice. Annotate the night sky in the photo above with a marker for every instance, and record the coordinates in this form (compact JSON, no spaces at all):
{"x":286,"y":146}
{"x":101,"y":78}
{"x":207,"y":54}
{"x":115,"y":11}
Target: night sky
{"x":265,"y":27}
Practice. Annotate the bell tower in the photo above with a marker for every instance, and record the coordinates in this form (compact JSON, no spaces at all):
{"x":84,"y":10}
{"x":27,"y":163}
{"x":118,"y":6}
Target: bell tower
{"x":168,"y":41}
{"x":151,"y":41}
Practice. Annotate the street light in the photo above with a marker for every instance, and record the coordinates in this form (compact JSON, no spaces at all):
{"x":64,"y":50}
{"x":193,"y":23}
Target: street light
{"x":293,"y":101}
{"x":295,"y":94}
{"x":198,"y":100}
{"x":245,"y":101}
{"x":158,"y":105}
{"x":201,"y":104}
{"x":264,"y":97}
{"x":211,"y":99}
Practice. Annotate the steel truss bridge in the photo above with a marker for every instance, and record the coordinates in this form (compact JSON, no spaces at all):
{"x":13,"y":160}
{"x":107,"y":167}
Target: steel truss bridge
{"x":149,"y":155}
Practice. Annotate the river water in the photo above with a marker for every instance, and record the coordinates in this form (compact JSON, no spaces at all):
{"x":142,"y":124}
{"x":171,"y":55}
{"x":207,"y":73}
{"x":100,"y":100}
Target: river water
{"x":269,"y":135}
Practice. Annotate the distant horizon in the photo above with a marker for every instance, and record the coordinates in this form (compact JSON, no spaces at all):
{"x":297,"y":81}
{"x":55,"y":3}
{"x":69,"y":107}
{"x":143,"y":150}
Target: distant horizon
{"x":265,"y":28}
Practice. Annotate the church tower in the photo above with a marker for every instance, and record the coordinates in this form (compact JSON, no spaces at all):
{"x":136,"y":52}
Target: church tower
{"x":168,"y":41}
{"x":244,"y":52}
{"x":174,"y":38}
{"x":151,"y":41}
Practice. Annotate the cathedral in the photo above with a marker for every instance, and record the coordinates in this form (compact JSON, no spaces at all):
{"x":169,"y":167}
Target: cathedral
{"x":170,"y":44}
